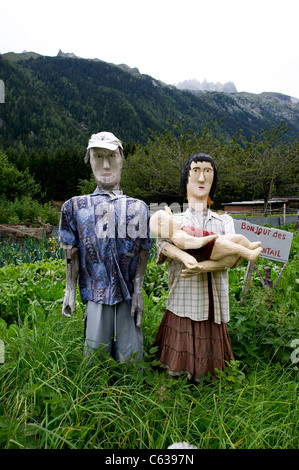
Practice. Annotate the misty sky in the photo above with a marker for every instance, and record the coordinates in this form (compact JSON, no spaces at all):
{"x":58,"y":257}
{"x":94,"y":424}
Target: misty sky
{"x":251,"y":43}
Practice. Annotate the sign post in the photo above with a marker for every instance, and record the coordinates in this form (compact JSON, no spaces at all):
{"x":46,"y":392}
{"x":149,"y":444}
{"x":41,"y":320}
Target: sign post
{"x":276,"y":246}
{"x":276,"y":243}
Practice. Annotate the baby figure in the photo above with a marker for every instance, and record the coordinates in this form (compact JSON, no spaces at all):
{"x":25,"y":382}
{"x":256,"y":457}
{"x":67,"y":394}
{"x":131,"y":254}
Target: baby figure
{"x":220,"y":251}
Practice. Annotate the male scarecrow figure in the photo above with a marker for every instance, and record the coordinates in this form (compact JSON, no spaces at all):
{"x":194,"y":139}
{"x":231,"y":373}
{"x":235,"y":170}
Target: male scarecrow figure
{"x":106,"y":238}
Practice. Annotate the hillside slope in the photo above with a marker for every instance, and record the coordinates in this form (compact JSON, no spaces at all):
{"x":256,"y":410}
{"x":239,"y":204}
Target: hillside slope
{"x":60,"y":101}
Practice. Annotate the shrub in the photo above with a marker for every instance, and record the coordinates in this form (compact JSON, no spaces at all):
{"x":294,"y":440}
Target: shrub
{"x":25,"y":209}
{"x":52,"y":398}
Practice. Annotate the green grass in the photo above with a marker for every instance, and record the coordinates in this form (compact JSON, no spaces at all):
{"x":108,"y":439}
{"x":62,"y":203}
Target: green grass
{"x":53,"y":398}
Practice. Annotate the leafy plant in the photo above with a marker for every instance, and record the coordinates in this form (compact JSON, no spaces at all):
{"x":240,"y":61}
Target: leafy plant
{"x":263,"y":326}
{"x":15,"y":183}
{"x":25,"y":209}
{"x":52,"y":397}
{"x":35,"y":287}
{"x":30,"y":251}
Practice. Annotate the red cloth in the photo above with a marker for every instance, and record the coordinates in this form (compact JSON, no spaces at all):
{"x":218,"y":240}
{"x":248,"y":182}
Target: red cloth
{"x":205,"y":251}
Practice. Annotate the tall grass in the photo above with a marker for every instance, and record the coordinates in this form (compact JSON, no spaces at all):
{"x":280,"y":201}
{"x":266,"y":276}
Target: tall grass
{"x":52,"y":397}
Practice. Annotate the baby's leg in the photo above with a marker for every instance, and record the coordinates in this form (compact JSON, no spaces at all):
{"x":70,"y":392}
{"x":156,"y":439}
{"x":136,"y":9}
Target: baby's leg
{"x":192,"y":238}
{"x":186,"y":242}
{"x":224,"y":247}
{"x":165,"y":226}
{"x":241,"y":240}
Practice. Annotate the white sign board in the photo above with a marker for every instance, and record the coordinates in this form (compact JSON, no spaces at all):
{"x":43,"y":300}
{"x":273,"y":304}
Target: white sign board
{"x":276,"y":243}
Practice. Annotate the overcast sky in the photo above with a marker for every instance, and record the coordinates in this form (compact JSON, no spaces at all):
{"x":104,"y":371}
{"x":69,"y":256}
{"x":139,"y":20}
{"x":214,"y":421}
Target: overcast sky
{"x":251,"y":43}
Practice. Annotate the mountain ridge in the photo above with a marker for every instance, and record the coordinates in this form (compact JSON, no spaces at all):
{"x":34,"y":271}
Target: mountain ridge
{"x":195,"y":85}
{"x":61,"y":100}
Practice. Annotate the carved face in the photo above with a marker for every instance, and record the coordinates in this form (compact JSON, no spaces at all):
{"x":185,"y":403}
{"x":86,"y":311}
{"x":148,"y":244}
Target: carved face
{"x":106,"y":166}
{"x":200,"y":180}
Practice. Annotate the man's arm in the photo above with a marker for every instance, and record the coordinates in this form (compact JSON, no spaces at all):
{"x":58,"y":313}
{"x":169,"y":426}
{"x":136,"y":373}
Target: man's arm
{"x":137,"y":298}
{"x":72,"y":272}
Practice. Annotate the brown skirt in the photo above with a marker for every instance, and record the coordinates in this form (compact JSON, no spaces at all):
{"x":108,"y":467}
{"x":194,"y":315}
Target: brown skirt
{"x":192,"y":347}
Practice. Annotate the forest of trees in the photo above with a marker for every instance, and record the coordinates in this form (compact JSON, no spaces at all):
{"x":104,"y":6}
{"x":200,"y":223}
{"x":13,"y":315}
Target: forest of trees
{"x":259,"y":168}
{"x":248,"y":169}
{"x":53,"y":105}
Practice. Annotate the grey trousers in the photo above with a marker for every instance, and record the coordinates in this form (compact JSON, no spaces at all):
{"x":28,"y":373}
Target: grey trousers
{"x":112,"y":328}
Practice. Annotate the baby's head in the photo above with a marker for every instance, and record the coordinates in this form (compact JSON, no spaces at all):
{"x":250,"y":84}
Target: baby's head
{"x":162,"y":223}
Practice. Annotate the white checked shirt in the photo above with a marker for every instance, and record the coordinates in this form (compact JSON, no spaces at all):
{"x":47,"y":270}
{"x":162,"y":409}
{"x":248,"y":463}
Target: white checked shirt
{"x":189,"y":297}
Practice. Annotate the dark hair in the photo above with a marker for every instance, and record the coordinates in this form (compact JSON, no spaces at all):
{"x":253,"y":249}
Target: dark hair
{"x":198,"y":157}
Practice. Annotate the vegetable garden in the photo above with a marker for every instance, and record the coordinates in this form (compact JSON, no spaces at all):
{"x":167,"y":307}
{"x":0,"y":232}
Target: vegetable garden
{"x":53,"y":398}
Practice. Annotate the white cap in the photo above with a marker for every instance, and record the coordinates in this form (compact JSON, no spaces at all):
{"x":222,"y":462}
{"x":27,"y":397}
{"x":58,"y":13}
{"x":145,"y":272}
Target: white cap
{"x":104,"y":140}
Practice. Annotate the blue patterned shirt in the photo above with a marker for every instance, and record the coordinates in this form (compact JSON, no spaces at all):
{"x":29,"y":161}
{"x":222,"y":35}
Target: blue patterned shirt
{"x":109,"y":230}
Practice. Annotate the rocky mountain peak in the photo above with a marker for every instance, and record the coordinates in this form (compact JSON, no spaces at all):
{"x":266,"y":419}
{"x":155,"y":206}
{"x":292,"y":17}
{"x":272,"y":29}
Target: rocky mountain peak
{"x":195,"y":85}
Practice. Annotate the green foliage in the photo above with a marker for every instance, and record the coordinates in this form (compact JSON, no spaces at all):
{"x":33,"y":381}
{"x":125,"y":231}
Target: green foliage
{"x":17,"y":203}
{"x":152,"y":173}
{"x":87,"y":186}
{"x":57,"y":172}
{"x":52,"y":397}
{"x":257,"y":163}
{"x":63,"y":108}
{"x":25,"y":209}
{"x":30,"y":251}
{"x":232,"y":376}
{"x":248,"y":169}
{"x":31,"y":117}
{"x":15,"y":183}
{"x":57,"y":101}
{"x":263,"y":326}
{"x":36,"y":287}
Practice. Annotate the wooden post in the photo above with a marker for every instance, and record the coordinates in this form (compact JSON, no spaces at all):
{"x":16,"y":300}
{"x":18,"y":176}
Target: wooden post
{"x":267,"y":281}
{"x":284,"y":213}
{"x":247,"y":278}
